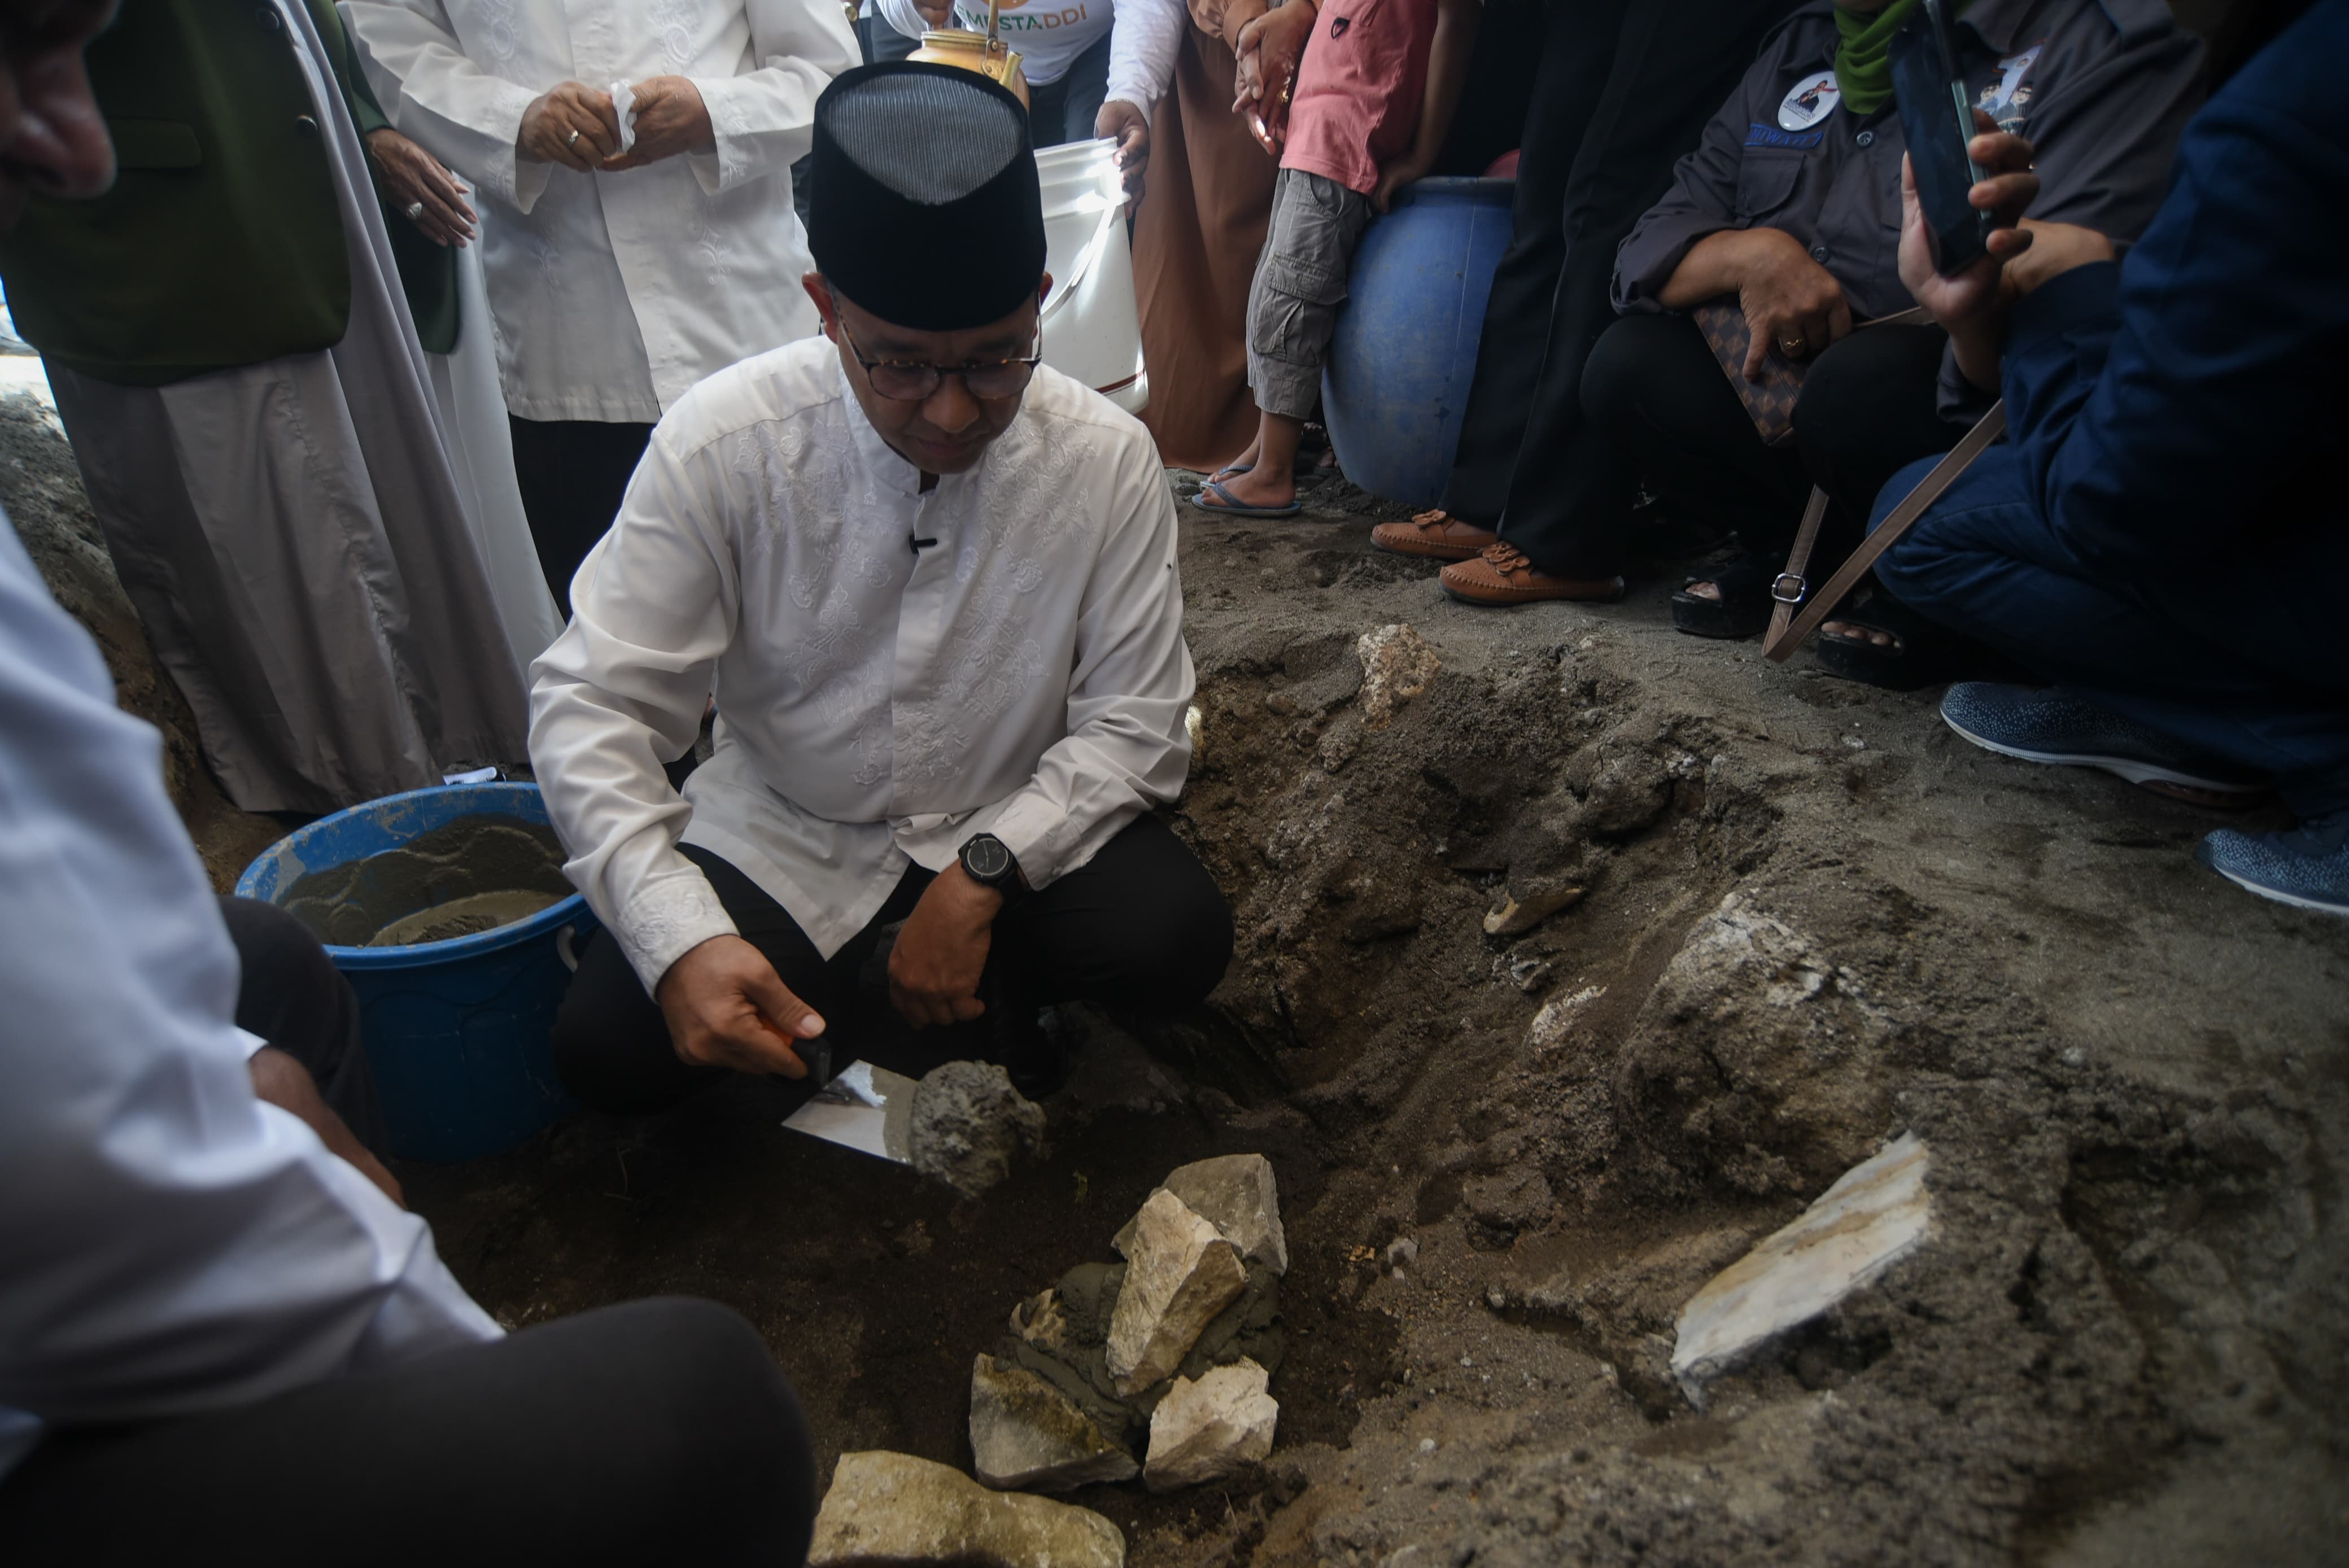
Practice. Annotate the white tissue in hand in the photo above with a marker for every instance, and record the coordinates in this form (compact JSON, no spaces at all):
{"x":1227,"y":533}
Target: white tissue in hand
{"x":624,"y":104}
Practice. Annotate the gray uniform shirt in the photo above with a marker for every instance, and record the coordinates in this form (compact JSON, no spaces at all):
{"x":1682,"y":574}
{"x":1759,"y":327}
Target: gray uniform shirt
{"x":2103,"y":88}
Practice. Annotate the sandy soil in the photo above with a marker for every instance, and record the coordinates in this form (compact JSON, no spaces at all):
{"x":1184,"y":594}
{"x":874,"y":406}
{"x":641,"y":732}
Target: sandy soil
{"x":1814,"y":918}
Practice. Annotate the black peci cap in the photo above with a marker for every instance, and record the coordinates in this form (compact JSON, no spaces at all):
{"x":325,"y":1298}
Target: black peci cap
{"x":925,"y":207}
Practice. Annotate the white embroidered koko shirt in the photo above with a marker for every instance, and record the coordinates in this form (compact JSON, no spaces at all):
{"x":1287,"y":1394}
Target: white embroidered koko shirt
{"x":614,"y":293}
{"x":1026,"y":676}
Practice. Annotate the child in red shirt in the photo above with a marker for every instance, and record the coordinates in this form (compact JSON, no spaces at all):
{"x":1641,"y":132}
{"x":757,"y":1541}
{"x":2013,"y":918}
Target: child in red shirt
{"x":1373,"y":102}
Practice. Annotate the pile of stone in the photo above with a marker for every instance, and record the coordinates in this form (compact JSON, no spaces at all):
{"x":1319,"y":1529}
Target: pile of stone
{"x":886,"y":1508}
{"x":1165,"y":1356}
{"x":1156,"y":1367}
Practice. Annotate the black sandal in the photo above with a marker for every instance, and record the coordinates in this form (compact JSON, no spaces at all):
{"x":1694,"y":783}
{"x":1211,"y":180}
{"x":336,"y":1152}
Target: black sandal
{"x":1922,"y":653}
{"x":1741,"y":611}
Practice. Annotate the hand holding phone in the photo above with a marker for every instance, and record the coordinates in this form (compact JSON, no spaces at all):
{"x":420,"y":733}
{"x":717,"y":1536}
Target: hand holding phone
{"x":1971,"y":303}
{"x":1938,"y":116}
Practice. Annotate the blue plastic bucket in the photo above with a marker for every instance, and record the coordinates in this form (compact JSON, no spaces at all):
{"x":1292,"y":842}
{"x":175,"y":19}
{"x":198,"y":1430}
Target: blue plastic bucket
{"x":1395,"y":384}
{"x":456,"y":1031}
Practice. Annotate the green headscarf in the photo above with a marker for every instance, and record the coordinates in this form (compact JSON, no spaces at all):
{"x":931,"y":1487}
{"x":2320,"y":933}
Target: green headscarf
{"x":1863,"y":64}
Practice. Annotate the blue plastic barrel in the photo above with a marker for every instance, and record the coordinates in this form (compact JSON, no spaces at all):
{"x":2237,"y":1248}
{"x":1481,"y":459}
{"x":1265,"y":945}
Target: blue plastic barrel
{"x":1396,"y":381}
{"x":456,"y":1031}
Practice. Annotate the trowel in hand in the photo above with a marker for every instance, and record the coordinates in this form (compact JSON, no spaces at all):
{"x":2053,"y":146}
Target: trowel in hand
{"x":866,"y":1108}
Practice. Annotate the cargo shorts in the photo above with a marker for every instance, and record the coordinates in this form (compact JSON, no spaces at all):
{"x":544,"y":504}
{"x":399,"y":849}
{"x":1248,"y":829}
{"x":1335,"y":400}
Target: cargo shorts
{"x":1300,"y":281}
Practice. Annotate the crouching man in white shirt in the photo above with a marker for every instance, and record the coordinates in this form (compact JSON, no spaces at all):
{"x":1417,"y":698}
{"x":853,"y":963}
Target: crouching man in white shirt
{"x":221,"y":1338}
{"x":934,"y":588}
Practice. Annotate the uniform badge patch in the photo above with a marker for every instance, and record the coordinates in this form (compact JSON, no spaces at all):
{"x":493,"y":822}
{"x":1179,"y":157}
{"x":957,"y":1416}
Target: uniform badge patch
{"x":1809,"y":101}
{"x":2008,"y":99}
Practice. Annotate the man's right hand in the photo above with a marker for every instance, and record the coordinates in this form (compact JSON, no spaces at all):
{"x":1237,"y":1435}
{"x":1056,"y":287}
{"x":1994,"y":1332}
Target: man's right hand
{"x":1131,"y":127}
{"x":727,"y":1007}
{"x":1269,"y":49}
{"x":1791,"y":303}
{"x":548,"y":124}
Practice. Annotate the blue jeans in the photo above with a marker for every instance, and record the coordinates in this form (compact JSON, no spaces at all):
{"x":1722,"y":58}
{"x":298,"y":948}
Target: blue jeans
{"x":1982,"y":562}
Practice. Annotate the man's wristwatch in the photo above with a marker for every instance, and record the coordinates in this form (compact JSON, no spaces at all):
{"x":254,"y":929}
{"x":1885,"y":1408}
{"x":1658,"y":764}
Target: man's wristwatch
{"x":988,"y":861}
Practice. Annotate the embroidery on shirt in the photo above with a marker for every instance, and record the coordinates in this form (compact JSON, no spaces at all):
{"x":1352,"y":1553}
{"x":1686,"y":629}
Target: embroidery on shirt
{"x":990,"y":664}
{"x":549,"y":261}
{"x":708,"y":242}
{"x":807,"y":480}
{"x":1760,"y":135}
{"x":667,"y":918}
{"x":858,"y":704}
{"x":500,"y":35}
{"x":672,"y":22}
{"x":732,"y":122}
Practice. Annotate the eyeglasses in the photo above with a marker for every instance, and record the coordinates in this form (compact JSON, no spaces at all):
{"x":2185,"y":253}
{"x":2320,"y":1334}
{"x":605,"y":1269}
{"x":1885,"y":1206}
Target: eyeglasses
{"x":907,"y":381}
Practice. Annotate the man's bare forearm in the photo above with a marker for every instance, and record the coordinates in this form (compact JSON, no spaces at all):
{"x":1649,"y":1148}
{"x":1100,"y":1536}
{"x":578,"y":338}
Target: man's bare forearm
{"x":1447,"y":74}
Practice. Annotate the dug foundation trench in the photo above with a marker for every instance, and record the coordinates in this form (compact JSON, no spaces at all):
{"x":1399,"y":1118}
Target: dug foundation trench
{"x":1809,"y":920}
{"x":1787,"y":921}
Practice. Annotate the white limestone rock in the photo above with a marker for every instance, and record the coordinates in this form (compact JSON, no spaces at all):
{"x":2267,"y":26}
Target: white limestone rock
{"x":1398,"y":664}
{"x":1237,"y":1195}
{"x":886,"y":1508}
{"x":1208,"y":1429}
{"x":1554,"y":1025}
{"x":1876,"y":1214}
{"x":1028,"y":1436}
{"x":1180,"y":1272}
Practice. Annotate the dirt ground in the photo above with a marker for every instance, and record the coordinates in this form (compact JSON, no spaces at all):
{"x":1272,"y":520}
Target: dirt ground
{"x":1813,"y":918}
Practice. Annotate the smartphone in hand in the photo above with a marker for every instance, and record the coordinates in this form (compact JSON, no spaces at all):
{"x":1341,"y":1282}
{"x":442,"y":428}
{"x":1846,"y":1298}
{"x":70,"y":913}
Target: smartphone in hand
{"x":1937,"y":118}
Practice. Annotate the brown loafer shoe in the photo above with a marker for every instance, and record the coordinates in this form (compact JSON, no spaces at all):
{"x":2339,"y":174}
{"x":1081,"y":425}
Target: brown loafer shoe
{"x":1500,"y":574}
{"x":1437,"y":534}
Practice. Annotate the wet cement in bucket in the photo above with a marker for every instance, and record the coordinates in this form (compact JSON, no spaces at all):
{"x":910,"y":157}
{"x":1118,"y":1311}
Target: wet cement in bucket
{"x":464,"y":877}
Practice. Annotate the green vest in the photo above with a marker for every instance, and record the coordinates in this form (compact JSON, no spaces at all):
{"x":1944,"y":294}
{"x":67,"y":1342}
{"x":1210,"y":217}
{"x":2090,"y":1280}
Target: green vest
{"x":221,"y":243}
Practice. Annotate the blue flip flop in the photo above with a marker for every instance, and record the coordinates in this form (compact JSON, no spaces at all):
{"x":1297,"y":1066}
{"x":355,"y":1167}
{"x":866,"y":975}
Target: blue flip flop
{"x":1231,"y":507}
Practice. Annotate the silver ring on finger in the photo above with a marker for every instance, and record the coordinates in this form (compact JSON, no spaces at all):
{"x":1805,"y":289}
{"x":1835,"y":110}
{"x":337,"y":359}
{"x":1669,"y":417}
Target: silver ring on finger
{"x":573,"y":139}
{"x":415,"y":211}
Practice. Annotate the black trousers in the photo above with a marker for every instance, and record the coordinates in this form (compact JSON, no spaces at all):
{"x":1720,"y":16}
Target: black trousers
{"x":1654,"y":390}
{"x":1141,"y":924}
{"x":292,"y":995}
{"x":655,"y":1431}
{"x":1065,"y":110}
{"x":1625,"y":88}
{"x":572,"y":474}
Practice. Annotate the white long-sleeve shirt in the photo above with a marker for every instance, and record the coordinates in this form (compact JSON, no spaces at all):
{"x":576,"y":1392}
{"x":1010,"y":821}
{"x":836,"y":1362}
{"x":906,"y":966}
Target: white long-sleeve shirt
{"x":168,"y":1242}
{"x":1025,"y":676}
{"x":614,"y":293}
{"x":1142,"y":50}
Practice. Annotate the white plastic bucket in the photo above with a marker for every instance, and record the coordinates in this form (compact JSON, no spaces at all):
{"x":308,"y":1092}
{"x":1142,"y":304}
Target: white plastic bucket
{"x":1092,"y":330}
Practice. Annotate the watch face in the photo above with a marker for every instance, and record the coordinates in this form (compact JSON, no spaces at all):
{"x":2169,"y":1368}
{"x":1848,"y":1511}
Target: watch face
{"x":985,"y":858}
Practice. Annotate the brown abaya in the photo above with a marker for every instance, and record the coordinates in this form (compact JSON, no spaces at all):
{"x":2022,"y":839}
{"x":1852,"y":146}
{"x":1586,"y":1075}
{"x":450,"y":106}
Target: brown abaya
{"x":1196,"y":239}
